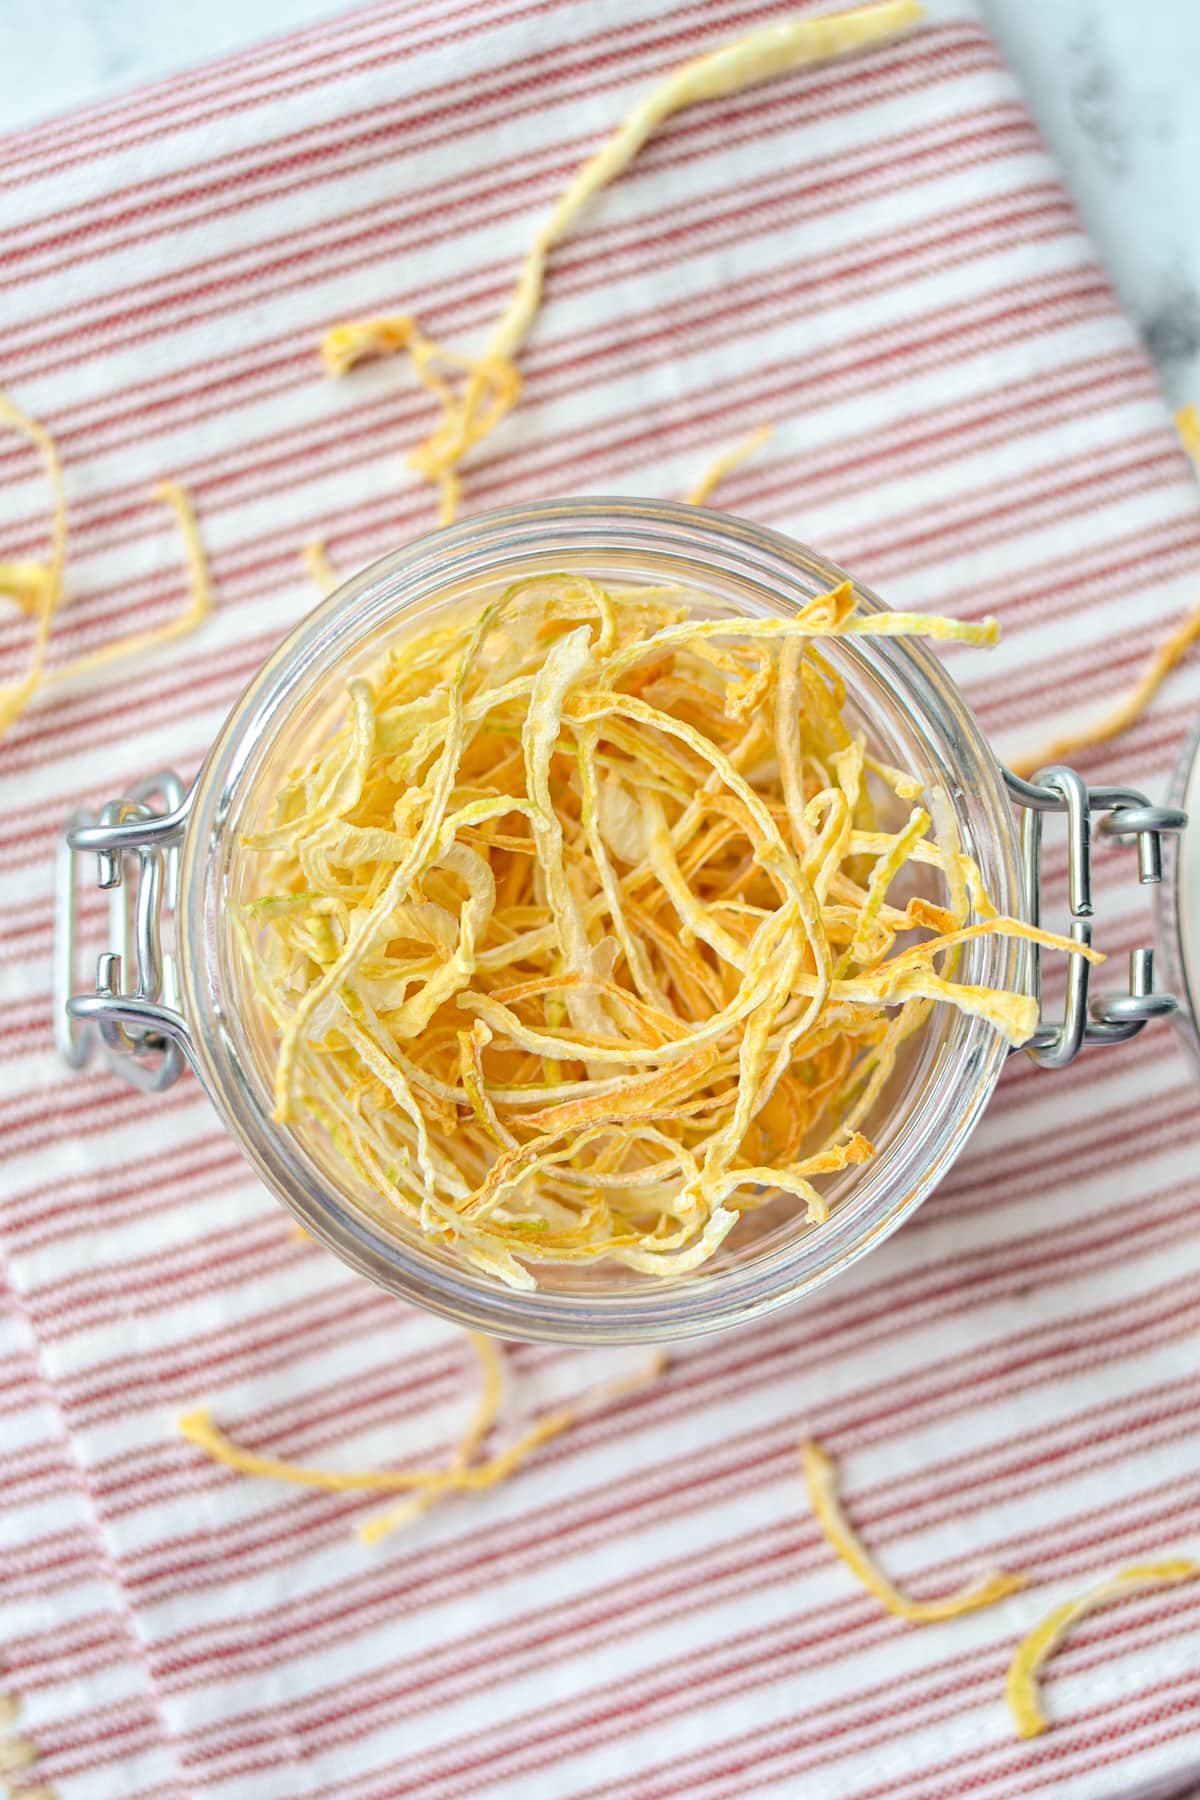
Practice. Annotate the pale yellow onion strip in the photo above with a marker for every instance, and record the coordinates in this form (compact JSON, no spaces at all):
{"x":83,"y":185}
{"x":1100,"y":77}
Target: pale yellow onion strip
{"x":829,"y":846}
{"x":471,"y":1045}
{"x":633,"y":1094}
{"x":1020,"y":1688}
{"x":454,"y":974}
{"x":1014,"y":1016}
{"x":500,"y":1263}
{"x":1000,"y":926}
{"x":905,"y":787}
{"x":788,"y":748}
{"x":15,"y":697}
{"x":321,"y":570}
{"x":882,"y":1060}
{"x":487,"y":1410}
{"x":333,"y":1101}
{"x":796,"y":1178}
{"x":374,"y":1156}
{"x":346,"y":344}
{"x":753,"y":1051}
{"x":494,"y":379}
{"x":658,"y":1184}
{"x":515,"y":1166}
{"x":775,"y":50}
{"x":820,"y":1480}
{"x":198,"y":608}
{"x":562,"y":592}
{"x":784,"y":1050}
{"x":808,"y":623}
{"x":667,"y":1264}
{"x":773,"y":852}
{"x":390,"y":1175}
{"x":840,"y":805}
{"x":555,"y":1047}
{"x":661,"y":1024}
{"x":198,"y":1428}
{"x":536,"y":941}
{"x":368,"y":844}
{"x":430,"y":705}
{"x":789,"y":754}
{"x":25,"y":584}
{"x":702,"y":490}
{"x":367,"y":924}
{"x":565,"y":661}
{"x":659,"y":1194}
{"x":823,"y":616}
{"x":882,"y":876}
{"x":416,"y":1076}
{"x":538,"y":1095}
{"x":338,"y":784}
{"x":397,"y":1086}
{"x":874,"y":843}
{"x":743,"y":63}
{"x":633,"y":951}
{"x":694,"y":915}
{"x":945,"y":826}
{"x":506,"y":1462}
{"x":760,"y":56}
{"x":1169,"y":654}
{"x":1166,"y":657}
{"x":17,"y":1754}
{"x":982,"y":633}
{"x":688,"y":823}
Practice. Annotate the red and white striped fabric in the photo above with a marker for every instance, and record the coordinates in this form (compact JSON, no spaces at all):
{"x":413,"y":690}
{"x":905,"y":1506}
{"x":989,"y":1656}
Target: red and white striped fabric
{"x":878,"y":258}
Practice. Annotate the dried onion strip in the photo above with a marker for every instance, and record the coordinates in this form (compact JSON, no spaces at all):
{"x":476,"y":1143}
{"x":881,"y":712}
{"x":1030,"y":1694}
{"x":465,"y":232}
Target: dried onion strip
{"x":553,"y":964}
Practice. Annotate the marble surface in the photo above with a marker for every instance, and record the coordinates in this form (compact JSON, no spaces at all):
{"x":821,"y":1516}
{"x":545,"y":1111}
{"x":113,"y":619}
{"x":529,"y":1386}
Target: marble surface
{"x":1115,"y":85}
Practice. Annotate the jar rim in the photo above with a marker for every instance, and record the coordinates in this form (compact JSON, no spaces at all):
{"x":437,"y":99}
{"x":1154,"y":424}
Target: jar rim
{"x":783,"y":574}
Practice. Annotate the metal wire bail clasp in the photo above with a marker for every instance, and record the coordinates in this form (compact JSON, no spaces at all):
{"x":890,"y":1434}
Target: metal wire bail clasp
{"x":1095,"y":1019}
{"x":132,"y":1012}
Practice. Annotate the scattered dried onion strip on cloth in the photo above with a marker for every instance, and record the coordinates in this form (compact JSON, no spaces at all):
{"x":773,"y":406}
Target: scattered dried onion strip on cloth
{"x":1187,"y":424}
{"x":563,"y":965}
{"x":37,"y":588}
{"x":461,"y":1475}
{"x":1021,"y":1689}
{"x":320,"y":568}
{"x":821,"y":1482}
{"x":1166,"y":658}
{"x":702,"y":491}
{"x":198,"y":608}
{"x":477,"y":393}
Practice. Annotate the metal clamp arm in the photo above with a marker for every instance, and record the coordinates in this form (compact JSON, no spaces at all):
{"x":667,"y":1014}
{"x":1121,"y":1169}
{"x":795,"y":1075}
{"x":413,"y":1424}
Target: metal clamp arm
{"x":131,"y":1012}
{"x":1090,"y":1018}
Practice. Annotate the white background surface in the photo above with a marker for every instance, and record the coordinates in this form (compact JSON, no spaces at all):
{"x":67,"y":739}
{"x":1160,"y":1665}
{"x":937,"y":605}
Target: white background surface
{"x":1115,"y":85}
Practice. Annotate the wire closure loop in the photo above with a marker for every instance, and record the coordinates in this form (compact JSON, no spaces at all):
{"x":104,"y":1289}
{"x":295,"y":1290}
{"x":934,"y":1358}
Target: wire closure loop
{"x":1088,"y":1018}
{"x":133,"y":1012}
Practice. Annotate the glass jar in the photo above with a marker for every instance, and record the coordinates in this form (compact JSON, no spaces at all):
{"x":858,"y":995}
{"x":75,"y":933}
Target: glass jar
{"x":172,"y":867}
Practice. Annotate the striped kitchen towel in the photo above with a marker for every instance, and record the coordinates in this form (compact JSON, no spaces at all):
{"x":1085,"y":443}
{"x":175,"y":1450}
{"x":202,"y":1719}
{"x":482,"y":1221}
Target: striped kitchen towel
{"x":877,"y":257}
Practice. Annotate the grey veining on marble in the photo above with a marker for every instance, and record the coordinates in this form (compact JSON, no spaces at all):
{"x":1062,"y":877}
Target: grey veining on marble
{"x":1115,"y":85}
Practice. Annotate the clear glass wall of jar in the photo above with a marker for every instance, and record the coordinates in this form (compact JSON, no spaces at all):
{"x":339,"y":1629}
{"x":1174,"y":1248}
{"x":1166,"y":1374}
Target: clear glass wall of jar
{"x":913,"y":716}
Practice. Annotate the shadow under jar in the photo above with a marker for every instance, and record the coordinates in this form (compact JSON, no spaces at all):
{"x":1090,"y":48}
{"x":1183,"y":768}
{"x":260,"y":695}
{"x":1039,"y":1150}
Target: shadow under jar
{"x":177,"y":867}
